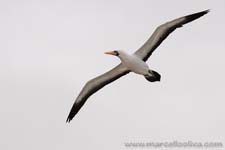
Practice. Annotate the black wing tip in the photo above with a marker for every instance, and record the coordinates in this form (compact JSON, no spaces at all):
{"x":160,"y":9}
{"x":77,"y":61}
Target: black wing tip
{"x":74,"y":110}
{"x":202,"y":12}
{"x":197,"y":15}
{"x":205,"y":11}
{"x":68,"y":120}
{"x":208,"y":10}
{"x":70,"y":117}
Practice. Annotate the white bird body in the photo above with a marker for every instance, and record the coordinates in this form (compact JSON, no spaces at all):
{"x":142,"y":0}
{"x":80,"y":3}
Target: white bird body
{"x":133,"y":63}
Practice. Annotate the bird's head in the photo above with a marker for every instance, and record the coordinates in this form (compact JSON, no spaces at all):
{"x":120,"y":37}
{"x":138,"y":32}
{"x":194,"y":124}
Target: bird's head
{"x":119,"y":53}
{"x":122,"y":55}
{"x":114,"y":53}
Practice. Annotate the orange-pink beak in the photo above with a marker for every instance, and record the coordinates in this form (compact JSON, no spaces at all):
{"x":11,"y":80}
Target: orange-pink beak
{"x":110,"y":53}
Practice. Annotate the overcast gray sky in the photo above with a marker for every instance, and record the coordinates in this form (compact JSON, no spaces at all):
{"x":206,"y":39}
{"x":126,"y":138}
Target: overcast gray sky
{"x":49,"y":49}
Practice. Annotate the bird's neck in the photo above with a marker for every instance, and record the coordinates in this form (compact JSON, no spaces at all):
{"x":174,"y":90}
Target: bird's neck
{"x":124,"y":56}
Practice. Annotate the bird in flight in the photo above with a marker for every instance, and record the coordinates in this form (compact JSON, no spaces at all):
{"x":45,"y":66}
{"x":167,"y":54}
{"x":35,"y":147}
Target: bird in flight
{"x":132,"y":63}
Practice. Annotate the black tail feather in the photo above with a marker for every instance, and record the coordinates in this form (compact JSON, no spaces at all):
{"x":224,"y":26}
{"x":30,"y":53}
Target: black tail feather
{"x":155,"y":76}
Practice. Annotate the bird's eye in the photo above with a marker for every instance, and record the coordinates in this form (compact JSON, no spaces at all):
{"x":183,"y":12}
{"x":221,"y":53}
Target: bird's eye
{"x":117,"y":53}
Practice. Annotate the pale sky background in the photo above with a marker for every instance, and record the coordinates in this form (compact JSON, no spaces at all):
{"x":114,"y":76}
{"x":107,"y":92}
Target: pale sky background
{"x":50,"y":49}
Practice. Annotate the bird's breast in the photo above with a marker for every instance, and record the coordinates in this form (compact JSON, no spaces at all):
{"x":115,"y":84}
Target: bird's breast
{"x":136,"y":65}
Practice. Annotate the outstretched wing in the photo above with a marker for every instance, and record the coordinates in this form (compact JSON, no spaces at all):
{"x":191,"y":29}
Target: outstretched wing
{"x":94,"y":85}
{"x":162,"y":32}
